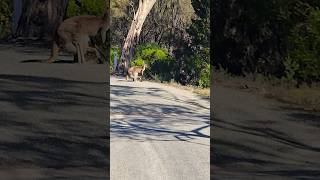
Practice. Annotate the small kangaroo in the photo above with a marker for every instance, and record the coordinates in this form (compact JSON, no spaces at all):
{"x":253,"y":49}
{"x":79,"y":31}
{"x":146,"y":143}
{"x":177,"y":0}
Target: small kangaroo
{"x":134,"y":71}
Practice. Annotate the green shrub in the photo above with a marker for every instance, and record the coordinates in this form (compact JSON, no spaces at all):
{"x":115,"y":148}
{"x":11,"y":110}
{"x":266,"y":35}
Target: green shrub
{"x":89,"y":7}
{"x":303,"y":61}
{"x":291,"y":68}
{"x":204,"y":79}
{"x":151,"y":53}
{"x":5,"y":18}
{"x":157,"y":58}
{"x":114,"y":50}
{"x":163,"y":68}
{"x":137,"y":62}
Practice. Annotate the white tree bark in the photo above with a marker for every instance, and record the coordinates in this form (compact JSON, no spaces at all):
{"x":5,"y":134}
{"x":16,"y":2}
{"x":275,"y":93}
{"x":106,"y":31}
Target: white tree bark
{"x":140,"y":16}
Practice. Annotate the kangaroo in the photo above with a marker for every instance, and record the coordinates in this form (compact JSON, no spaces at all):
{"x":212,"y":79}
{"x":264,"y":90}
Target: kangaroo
{"x":133,"y":72}
{"x":74,"y":34}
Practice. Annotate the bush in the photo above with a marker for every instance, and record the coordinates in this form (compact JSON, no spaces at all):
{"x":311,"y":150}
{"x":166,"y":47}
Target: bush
{"x":291,"y":67}
{"x":89,"y":7}
{"x":137,"y":62}
{"x":114,"y":50}
{"x":193,"y":68}
{"x":5,"y":18}
{"x":157,"y":58}
{"x":151,"y":53}
{"x":303,"y":61}
{"x":204,"y":79}
{"x":163,"y":68}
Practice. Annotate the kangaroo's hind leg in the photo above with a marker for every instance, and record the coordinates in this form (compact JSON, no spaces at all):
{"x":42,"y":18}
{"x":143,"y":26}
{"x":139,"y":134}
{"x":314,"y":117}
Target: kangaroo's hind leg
{"x":79,"y":56}
{"x":135,"y":76}
{"x":80,"y":51}
{"x":54,"y":53}
{"x":83,"y":46}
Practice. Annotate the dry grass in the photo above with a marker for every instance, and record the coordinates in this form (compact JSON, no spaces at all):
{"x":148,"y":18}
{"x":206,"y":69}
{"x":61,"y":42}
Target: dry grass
{"x":204,"y":92}
{"x":307,"y":98}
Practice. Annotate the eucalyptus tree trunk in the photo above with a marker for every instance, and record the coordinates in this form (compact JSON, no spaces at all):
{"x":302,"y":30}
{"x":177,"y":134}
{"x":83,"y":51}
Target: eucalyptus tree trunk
{"x":140,"y":16}
{"x":17,"y":10}
{"x":107,"y":38}
{"x":40,"y":18}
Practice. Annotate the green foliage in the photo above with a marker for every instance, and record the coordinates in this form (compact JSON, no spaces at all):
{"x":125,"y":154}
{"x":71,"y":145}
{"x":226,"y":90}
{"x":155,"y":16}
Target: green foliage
{"x":291,"y":67}
{"x":5,"y":17}
{"x":204,"y":79}
{"x":160,"y":64}
{"x":274,"y":38}
{"x":200,"y":27}
{"x":303,"y":61}
{"x":89,"y":7}
{"x":167,"y":26}
{"x":193,"y":57}
{"x":114,"y":50}
{"x":195,"y":70}
{"x":247,"y":33}
{"x":118,"y":8}
{"x":167,"y":21}
{"x":137,"y":62}
{"x":163,"y":68}
{"x":150,"y":53}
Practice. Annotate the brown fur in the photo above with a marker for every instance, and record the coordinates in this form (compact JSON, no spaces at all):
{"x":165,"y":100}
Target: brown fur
{"x":133,"y":72}
{"x":74,"y":33}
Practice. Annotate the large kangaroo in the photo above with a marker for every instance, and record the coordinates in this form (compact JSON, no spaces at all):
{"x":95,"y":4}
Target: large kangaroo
{"x":74,"y":34}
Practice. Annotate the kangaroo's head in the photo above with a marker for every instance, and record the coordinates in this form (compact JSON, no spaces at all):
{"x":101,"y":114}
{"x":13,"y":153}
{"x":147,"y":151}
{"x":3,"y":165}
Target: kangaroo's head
{"x":145,"y":65}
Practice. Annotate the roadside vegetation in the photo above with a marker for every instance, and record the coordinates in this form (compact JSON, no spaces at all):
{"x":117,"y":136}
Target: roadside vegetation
{"x":88,"y":7}
{"x":5,"y":18}
{"x":304,"y":97}
{"x":269,"y":46}
{"x":174,"y":41}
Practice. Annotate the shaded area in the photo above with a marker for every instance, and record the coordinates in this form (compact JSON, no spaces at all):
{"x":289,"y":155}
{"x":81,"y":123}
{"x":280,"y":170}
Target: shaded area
{"x":157,"y":132}
{"x":53,"y":127}
{"x":41,"y":61}
{"x":257,"y":139}
{"x":150,"y":120}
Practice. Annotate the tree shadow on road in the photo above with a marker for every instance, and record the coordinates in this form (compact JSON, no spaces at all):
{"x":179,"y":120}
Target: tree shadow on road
{"x":145,"y":121}
{"x":55,"y":127}
{"x":260,"y":149}
{"x":42,"y":61}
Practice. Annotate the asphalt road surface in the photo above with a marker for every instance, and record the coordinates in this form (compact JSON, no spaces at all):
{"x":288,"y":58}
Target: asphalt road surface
{"x":158,"y":132}
{"x":53,"y":117}
{"x":258,"y":138}
{"x":54,"y":123}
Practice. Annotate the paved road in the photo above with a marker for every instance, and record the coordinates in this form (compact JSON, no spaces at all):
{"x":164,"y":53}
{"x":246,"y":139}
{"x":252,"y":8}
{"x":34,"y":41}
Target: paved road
{"x":53,"y":118}
{"x":257,"y":138}
{"x":52,"y":126}
{"x":158,"y":133}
